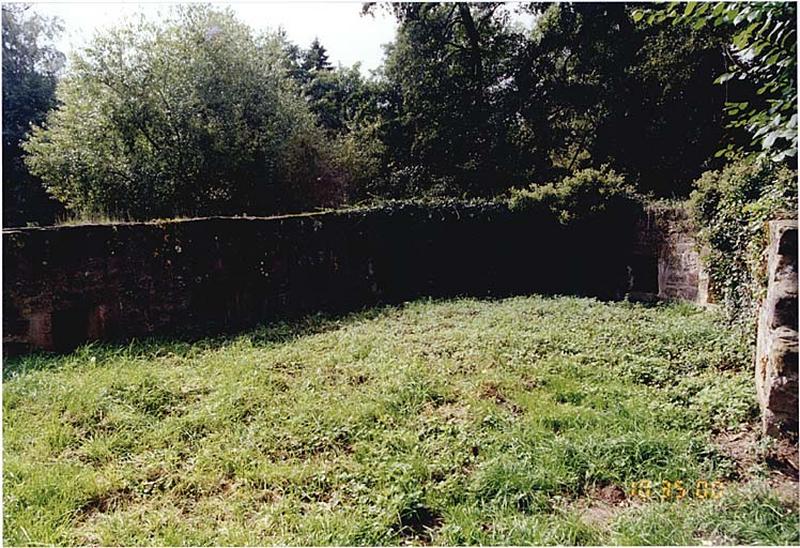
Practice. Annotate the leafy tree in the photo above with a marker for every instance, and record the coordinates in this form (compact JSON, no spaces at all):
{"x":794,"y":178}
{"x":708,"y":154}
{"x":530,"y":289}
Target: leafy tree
{"x":195,"y":116}
{"x":674,"y":121}
{"x":762,"y":50}
{"x":348,"y":107}
{"x":572,"y":78}
{"x":30,"y":68}
{"x":481,"y":105}
{"x":597,"y":88}
{"x":334,"y":95}
{"x":449,"y":70}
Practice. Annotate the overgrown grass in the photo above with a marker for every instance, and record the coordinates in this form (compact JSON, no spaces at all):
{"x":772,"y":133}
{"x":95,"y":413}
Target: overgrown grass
{"x":455,"y":422}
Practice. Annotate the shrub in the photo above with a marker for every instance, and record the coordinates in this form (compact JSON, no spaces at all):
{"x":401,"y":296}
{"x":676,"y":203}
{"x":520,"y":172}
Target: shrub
{"x":731,"y":207}
{"x":359,"y":154}
{"x":587,"y":194}
{"x":194,"y":116}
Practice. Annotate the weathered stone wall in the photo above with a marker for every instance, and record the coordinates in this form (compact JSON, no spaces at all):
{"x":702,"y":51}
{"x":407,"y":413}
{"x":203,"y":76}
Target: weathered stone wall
{"x":776,"y":349}
{"x":67,"y":285}
{"x":668,"y":257}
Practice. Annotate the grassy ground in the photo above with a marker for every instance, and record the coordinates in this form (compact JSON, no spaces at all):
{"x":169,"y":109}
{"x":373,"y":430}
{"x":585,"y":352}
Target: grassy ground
{"x":525,"y":420}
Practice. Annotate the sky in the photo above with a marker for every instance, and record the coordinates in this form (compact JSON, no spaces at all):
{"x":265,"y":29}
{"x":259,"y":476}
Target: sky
{"x":348,"y":36}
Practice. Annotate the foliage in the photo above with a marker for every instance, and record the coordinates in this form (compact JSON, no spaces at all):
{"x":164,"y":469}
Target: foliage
{"x":30,"y":68}
{"x":731,"y":207}
{"x":360,"y":153}
{"x":449,"y":71}
{"x":479,"y":102}
{"x":451,"y":423}
{"x":200,"y":116}
{"x":763,"y":51}
{"x":589,"y":193}
{"x":193,"y":116}
{"x":346,"y":107}
{"x":595,"y":87}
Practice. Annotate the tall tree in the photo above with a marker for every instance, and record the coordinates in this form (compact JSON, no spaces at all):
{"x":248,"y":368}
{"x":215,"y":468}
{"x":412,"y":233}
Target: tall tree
{"x":598,"y":88}
{"x":450,"y":67}
{"x":316,"y":57}
{"x":195,"y":115}
{"x":31,"y":65}
{"x":484,"y":104}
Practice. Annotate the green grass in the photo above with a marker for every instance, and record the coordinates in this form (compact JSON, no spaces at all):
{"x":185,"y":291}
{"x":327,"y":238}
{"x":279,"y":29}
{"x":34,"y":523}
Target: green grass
{"x":450,"y":422}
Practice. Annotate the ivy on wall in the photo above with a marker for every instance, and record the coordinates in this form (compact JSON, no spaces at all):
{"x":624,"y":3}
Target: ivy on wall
{"x":732,"y":207}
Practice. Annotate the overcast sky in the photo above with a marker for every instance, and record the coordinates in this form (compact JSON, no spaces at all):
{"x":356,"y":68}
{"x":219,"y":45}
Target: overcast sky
{"x":348,"y":36}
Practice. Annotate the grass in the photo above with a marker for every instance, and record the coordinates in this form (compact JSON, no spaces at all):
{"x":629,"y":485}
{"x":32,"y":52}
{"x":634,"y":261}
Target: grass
{"x":449,"y":422}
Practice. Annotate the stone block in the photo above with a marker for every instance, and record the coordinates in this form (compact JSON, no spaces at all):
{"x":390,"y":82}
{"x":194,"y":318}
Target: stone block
{"x":776,"y":360}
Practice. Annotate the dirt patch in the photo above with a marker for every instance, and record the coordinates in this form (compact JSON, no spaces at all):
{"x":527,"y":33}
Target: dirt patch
{"x":742,"y":447}
{"x":453,"y":412}
{"x":419,"y":524}
{"x":784,"y":477}
{"x":106,"y":502}
{"x":611,"y":494}
{"x":531,"y":383}
{"x":491,"y":391}
{"x":598,"y":514}
{"x":448,"y":412}
{"x":747,"y":450}
{"x":783,"y":458}
{"x":601,"y":504}
{"x":358,"y":379}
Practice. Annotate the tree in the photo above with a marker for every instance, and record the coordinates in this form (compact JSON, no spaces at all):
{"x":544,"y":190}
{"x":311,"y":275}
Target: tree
{"x":762,"y":50}
{"x":595,"y":88}
{"x":449,"y":69}
{"x":348,"y":108}
{"x":316,"y":57}
{"x":482,"y":105}
{"x":30,"y":68}
{"x":195,"y":116}
{"x":572,"y":80}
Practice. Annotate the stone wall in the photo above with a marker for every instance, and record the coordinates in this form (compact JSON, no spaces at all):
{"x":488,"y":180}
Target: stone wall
{"x":776,"y":349}
{"x":668,"y":257}
{"x":67,"y":285}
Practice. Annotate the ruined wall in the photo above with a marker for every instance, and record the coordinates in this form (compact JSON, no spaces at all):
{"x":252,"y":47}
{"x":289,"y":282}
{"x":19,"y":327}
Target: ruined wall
{"x":776,"y":349}
{"x":67,"y":285}
{"x":668,"y":257}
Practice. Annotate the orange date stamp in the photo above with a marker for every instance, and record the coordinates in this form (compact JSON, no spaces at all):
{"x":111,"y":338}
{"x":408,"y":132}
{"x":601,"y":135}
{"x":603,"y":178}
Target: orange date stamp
{"x":667,"y":490}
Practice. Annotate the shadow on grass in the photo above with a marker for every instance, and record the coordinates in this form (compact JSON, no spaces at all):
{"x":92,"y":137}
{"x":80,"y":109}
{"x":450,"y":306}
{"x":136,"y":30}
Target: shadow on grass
{"x":274,"y":332}
{"x":195,"y":343}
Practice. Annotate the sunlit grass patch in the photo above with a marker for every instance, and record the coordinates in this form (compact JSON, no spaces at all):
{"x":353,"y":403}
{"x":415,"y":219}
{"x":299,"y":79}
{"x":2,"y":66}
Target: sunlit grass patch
{"x":449,"y":422}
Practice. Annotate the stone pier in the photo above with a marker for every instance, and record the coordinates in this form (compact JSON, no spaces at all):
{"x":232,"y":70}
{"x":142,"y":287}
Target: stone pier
{"x":776,"y":350}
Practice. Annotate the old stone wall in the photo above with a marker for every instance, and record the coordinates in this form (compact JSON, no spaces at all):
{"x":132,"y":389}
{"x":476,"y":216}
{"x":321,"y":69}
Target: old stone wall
{"x":776,"y":349}
{"x":67,"y":285}
{"x":667,"y":255}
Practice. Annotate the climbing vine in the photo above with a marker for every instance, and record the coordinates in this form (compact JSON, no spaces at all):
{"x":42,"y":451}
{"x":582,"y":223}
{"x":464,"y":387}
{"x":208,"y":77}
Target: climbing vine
{"x":732,"y":207}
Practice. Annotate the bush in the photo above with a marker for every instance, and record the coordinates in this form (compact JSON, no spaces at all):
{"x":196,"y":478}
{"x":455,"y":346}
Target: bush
{"x":196,"y":116}
{"x":359,"y":154}
{"x":587,"y":194}
{"x":732,"y":207}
